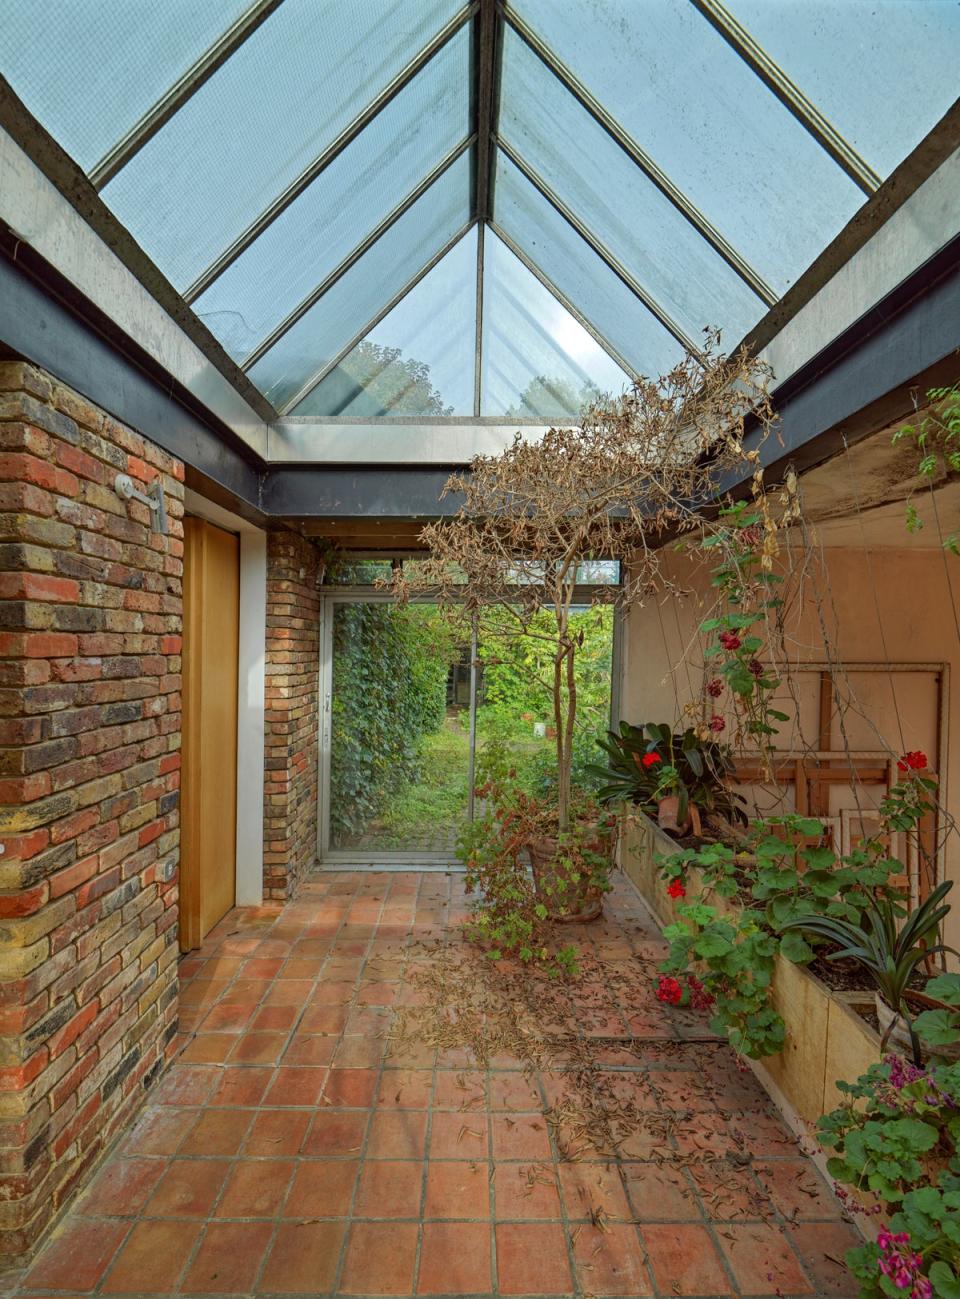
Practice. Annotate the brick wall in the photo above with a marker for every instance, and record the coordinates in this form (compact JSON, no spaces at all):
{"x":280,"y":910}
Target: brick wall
{"x":292,"y":712}
{"x":90,"y":627}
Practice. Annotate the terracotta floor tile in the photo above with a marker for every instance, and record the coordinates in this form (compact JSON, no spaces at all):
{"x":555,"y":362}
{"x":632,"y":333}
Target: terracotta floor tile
{"x":322,"y":1188}
{"x":258,"y":1048}
{"x":290,"y":992}
{"x":532,"y":1259}
{"x":520,"y":1136}
{"x":208,"y":1048}
{"x":459,"y":1089}
{"x":351,"y":1088}
{"x":229,"y":1257}
{"x":77,"y":1257}
{"x":186,"y":1084}
{"x":122,"y":1187}
{"x":513,"y":1091}
{"x":277,"y":1132}
{"x":406,"y":1089}
{"x":304,"y":1258}
{"x":684,"y":1260}
{"x":797,"y":1189}
{"x":336,"y":1133}
{"x":658,"y":1193}
{"x":455,"y":1135}
{"x":188,"y":1189}
{"x":323,"y":1019}
{"x":525,"y":1191}
{"x":217,"y":1132}
{"x":152,"y":1258}
{"x":263,"y":967}
{"x":610,"y":1261}
{"x":256,"y":1188}
{"x":729,"y":1191}
{"x":762,"y":1260}
{"x":241,"y":1085}
{"x":158,"y":1131}
{"x":275,"y":1019}
{"x":296,"y":1086}
{"x":458,"y":1189}
{"x":822,"y":1247}
{"x":310,"y":1049}
{"x":762,"y":1134}
{"x":590,"y":1189}
{"x":246,"y":992}
{"x":359,"y":1052}
{"x":398,"y":1134}
{"x":455,"y":1258}
{"x":390,"y":1189}
{"x":380,"y":1258}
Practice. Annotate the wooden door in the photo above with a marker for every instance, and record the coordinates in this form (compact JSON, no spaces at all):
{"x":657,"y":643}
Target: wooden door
{"x":211,"y":637}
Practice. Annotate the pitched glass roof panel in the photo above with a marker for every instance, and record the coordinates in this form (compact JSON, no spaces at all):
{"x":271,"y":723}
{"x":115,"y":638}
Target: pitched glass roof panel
{"x":577,"y":272}
{"x":614,"y":199}
{"x":708,"y":121}
{"x":347,"y":310}
{"x":89,"y":72}
{"x":260,"y":120}
{"x":387,"y":160}
{"x":537,"y":360}
{"x":419,"y":360}
{"x":883,"y":71}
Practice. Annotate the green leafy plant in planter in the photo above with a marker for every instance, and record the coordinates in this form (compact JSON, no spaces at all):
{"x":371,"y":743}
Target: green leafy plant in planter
{"x":646,"y":762}
{"x":896,"y":1139}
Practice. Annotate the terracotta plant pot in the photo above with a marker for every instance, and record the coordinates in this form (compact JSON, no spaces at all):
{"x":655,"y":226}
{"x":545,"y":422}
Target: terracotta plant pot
{"x":565,"y":904}
{"x":668,"y":811}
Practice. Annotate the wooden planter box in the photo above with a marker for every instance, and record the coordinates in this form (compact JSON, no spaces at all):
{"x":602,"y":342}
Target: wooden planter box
{"x":826,"y":1039}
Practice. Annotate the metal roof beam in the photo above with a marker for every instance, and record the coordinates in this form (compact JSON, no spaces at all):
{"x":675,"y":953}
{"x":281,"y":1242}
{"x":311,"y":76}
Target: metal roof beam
{"x":608,"y":259}
{"x":642,"y":159}
{"x":353,"y":257}
{"x":789,"y":94}
{"x":178,"y":94}
{"x":411,"y":284}
{"x":332,"y":152}
{"x":564,"y":301}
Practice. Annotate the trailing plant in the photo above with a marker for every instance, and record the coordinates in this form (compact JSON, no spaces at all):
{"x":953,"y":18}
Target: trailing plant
{"x":887,"y":944}
{"x":646,"y":761}
{"x":896,"y":1137}
{"x":939,"y":1029}
{"x":936,"y":438}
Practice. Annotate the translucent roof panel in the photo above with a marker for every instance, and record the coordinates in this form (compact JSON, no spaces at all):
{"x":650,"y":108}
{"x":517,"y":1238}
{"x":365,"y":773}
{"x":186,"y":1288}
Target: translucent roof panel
{"x":883,"y":72}
{"x":419,"y":360}
{"x":708,"y":121}
{"x":89,"y":72}
{"x":351,"y":307}
{"x":387,"y":160}
{"x":537,"y":360}
{"x":578,"y":274}
{"x":261,"y":119}
{"x":614,"y":200}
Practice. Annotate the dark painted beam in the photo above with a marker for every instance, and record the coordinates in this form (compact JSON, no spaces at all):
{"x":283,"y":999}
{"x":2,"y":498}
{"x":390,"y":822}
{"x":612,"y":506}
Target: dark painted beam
{"x":339,"y":492}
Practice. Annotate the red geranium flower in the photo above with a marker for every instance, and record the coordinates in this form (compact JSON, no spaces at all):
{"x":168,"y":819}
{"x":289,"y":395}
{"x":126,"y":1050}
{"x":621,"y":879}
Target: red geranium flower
{"x":651,"y":759}
{"x":669,"y":990}
{"x":675,"y":889}
{"x":717,"y":724}
{"x":915,"y":760}
{"x":730,"y":640}
{"x":715,"y":688}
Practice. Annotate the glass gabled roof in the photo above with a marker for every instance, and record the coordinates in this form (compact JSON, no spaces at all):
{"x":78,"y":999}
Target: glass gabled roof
{"x":420,"y":207}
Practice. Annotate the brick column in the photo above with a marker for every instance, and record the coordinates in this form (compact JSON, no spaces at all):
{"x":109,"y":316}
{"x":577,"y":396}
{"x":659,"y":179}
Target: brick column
{"x":90,"y":638}
{"x":292,"y":712}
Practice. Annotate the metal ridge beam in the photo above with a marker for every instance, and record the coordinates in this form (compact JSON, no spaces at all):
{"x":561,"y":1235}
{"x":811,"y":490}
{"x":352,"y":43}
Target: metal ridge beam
{"x":564,"y":301}
{"x":332,"y":152}
{"x":789,"y":94}
{"x":409,"y":285}
{"x":608,"y":259}
{"x":353,"y":257}
{"x":685,"y":206}
{"x":181,"y":91}
{"x":487,"y":73}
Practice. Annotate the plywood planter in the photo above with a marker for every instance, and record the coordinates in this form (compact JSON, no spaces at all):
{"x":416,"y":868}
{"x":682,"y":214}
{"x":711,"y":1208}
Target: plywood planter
{"x":826,"y":1040}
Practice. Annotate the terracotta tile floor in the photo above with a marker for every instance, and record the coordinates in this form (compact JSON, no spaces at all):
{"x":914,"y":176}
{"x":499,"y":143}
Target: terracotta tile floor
{"x":289,"y":1150}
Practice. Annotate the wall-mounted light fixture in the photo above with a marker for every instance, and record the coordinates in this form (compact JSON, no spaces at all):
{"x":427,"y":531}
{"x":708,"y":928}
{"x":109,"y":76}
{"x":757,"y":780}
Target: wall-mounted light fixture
{"x":152,"y":498}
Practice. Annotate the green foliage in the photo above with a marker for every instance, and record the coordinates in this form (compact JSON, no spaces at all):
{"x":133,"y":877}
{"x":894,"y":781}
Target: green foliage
{"x":389,"y":691}
{"x":936,"y":439}
{"x":939,"y":1029}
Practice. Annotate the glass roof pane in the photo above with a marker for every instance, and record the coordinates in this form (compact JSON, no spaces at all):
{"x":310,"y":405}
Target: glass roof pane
{"x":390,"y":157}
{"x":260,"y":120}
{"x":616,"y":202}
{"x":346,"y":310}
{"x":419,"y":360}
{"x":882,"y":71}
{"x":579,"y":274}
{"x":537,"y":361}
{"x":89,"y":72}
{"x":709,"y":122}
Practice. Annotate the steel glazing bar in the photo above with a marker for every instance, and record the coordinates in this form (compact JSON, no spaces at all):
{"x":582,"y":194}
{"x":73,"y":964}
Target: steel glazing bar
{"x":605,"y":256}
{"x":332,"y":151}
{"x":564,"y":301}
{"x":181,"y":91}
{"x":643,"y":160}
{"x":789,"y":94}
{"x":478,"y":343}
{"x":353,"y":257}
{"x":487,"y":68}
{"x":412,"y":283}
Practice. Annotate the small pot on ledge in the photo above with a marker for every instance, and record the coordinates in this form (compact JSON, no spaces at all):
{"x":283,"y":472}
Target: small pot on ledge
{"x":668,"y":816}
